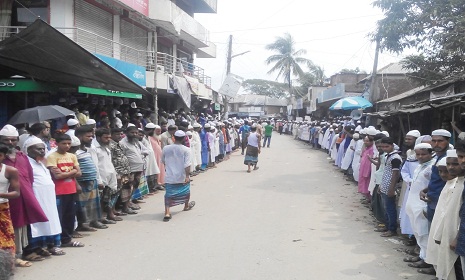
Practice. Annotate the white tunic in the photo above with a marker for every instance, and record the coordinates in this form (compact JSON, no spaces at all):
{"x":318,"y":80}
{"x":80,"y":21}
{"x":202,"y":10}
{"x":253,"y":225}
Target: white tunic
{"x":349,"y":155}
{"x":152,"y":166}
{"x":44,"y":191}
{"x":356,"y":161}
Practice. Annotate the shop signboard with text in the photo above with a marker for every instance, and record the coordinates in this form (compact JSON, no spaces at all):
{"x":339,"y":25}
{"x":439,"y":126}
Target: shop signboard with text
{"x":141,"y":6}
{"x":105,"y":92}
{"x":25,"y":85}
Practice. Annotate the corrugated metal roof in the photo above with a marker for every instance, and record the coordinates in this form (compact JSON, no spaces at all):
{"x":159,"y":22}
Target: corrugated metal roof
{"x":394,"y":68}
{"x":403,"y":95}
{"x":258,"y":100}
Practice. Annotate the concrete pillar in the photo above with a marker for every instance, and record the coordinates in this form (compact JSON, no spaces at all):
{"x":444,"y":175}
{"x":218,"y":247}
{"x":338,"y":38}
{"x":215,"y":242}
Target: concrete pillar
{"x":175,"y":56}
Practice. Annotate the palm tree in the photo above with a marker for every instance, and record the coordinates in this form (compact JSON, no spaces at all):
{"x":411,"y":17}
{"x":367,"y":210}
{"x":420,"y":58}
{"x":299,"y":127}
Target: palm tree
{"x":287,"y":60}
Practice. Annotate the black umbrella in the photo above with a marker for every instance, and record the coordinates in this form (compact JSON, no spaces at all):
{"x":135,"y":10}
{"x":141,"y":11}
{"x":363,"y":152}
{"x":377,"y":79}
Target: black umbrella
{"x":39,"y":113}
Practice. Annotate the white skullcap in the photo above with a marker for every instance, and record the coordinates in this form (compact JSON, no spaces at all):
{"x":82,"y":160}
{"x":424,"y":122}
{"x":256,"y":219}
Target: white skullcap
{"x":131,"y":124}
{"x":190,"y":127}
{"x":451,"y":154}
{"x":423,"y":146}
{"x":363,"y":131}
{"x":196,"y":125}
{"x":150,"y":125}
{"x":356,"y":136}
{"x":371,"y":131}
{"x":385,"y":133}
{"x":179,"y":133}
{"x":188,"y":133}
{"x":358,"y":128}
{"x":442,"y":162}
{"x":33,"y":140}
{"x":265,"y":124}
{"x":117,"y":112}
{"x":90,"y":121}
{"x":72,"y":122}
{"x":441,"y":132}
{"x":139,"y":115}
{"x":75,"y":141}
{"x":207,"y":125}
{"x":157,"y":126}
{"x":9,"y":130}
{"x":415,"y":133}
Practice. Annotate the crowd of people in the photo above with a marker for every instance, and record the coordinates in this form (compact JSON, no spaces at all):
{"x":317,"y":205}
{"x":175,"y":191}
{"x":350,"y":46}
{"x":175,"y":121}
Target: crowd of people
{"x":415,"y":190}
{"x":89,"y":174}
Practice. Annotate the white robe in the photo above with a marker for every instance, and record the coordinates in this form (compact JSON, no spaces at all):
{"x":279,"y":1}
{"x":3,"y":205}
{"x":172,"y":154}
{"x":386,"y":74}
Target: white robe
{"x":356,"y":161}
{"x":333,"y":148}
{"x":44,"y":191}
{"x":349,"y":155}
{"x":444,"y":228}
{"x":197,"y":147}
{"x":373,"y":177}
{"x":151,"y":162}
{"x":325,"y":141}
{"x":407,"y":176}
{"x":415,"y":207}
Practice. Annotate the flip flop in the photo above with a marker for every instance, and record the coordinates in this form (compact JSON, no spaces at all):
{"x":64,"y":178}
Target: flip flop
{"x":190,"y":206}
{"x":116,"y":218}
{"x":130,"y":212}
{"x":42,"y":252}
{"x":428,"y":271}
{"x":57,"y":251}
{"x":99,"y":226}
{"x":166,"y":218}
{"x":22,"y":263}
{"x":420,"y":264}
{"x":120,"y":214}
{"x":108,"y":222}
{"x":33,"y":257}
{"x":76,"y":234}
{"x":81,"y":228}
{"x":75,"y":244}
{"x":412,"y":259}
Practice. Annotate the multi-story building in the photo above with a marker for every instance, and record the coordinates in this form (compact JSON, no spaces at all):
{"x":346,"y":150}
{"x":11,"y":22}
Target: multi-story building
{"x":161,"y":37}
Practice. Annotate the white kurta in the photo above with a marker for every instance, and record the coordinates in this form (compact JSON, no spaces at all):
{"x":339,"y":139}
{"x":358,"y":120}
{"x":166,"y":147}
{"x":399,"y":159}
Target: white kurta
{"x":444,"y":228}
{"x":44,"y":191}
{"x":415,"y":207}
{"x":333,"y":148}
{"x":407,"y":176}
{"x":356,"y":161}
{"x":373,"y":177}
{"x":197,"y":147}
{"x":348,"y":156}
{"x":152,"y":166}
{"x":325,"y":141}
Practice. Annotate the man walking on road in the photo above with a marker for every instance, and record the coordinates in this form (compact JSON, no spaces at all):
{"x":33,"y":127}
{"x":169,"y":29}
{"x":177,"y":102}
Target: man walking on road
{"x":177,"y":162}
{"x":268,"y":132}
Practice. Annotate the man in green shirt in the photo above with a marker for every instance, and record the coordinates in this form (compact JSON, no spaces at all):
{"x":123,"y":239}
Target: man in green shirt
{"x":268,"y":132}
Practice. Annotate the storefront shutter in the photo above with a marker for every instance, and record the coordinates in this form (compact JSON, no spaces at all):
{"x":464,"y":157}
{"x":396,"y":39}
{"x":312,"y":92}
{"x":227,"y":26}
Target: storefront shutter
{"x":134,"y":43}
{"x":95,"y":28}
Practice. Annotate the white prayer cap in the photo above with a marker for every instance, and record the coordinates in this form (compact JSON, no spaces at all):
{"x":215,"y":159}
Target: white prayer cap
{"x":441,"y":132}
{"x":188,"y":133}
{"x":9,"y":130}
{"x":358,"y":128}
{"x":90,"y":121}
{"x":75,"y":141}
{"x":442,"y":162}
{"x":356,"y":136}
{"x":385,"y":133}
{"x":150,"y":125}
{"x":117,"y":112}
{"x":190,"y":127}
{"x":139,"y":115}
{"x":363,"y":131}
{"x":207,"y":125}
{"x":196,"y":125}
{"x":265,"y":124}
{"x":415,"y":133}
{"x":423,"y":146}
{"x":371,"y":131}
{"x":72,"y":122}
{"x":31,"y":142}
{"x":157,"y":126}
{"x":334,"y":124}
{"x":254,"y":125}
{"x":331,"y":130}
{"x":179,"y":133}
{"x":131,"y":124}
{"x":451,"y":154}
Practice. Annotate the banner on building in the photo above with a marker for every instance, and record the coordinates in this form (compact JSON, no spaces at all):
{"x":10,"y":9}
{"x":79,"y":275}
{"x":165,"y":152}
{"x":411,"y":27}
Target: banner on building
{"x":231,"y":85}
{"x":134,"y":72}
{"x":141,"y":6}
{"x":182,"y":88}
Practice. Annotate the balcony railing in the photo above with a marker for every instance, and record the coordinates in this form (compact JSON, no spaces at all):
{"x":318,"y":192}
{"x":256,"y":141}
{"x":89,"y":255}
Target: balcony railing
{"x":97,"y":44}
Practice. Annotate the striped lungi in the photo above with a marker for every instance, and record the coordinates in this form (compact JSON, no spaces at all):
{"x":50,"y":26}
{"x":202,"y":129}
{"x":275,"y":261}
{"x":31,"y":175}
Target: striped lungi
{"x":251,"y":155}
{"x":176,"y":194}
{"x":7,"y":233}
{"x":88,"y":201}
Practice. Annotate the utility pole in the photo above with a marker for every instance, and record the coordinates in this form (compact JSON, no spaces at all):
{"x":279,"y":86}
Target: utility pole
{"x":373,"y":82}
{"x":155,"y":62}
{"x":228,"y":70}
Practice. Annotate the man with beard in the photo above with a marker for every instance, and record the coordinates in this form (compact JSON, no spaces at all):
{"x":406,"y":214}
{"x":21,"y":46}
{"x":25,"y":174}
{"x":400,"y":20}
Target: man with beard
{"x":107,"y":172}
{"x":88,"y":201}
{"x":25,"y":209}
{"x":135,"y":152}
{"x":440,"y":144}
{"x":46,"y":234}
{"x":123,"y":170}
{"x":39,"y":130}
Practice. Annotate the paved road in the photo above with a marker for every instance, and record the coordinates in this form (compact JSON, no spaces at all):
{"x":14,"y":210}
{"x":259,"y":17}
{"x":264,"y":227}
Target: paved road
{"x":294,"y":218}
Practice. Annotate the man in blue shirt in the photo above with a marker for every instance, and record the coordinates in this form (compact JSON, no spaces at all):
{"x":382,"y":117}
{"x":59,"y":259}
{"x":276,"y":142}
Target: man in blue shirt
{"x":244,"y":131}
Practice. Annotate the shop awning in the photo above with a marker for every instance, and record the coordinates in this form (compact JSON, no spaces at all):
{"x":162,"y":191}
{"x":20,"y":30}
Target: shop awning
{"x":43,"y":53}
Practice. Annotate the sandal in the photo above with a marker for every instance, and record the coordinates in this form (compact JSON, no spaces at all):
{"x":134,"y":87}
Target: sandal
{"x":428,"y":271}
{"x":420,"y":264}
{"x":388,"y":234}
{"x":115,"y":218}
{"x":190,"y":206}
{"x":167,"y":218}
{"x":42,"y":252}
{"x":129,"y":211}
{"x":248,"y":171}
{"x":57,"y":251}
{"x":76,"y":234}
{"x":120,"y":214}
{"x":22,"y":263}
{"x":85,"y":228}
{"x":108,"y":222}
{"x":73,"y":244}
{"x":412,"y":259}
{"x":98,"y":225}
{"x":256,"y":168}
{"x":33,"y":257}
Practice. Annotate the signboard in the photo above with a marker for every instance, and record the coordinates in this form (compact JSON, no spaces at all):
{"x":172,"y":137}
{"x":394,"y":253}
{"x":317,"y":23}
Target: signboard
{"x":231,"y":86}
{"x":141,"y":6}
{"x":335,"y":92}
{"x":25,"y":85}
{"x":134,"y":72}
{"x":299,"y":104}
{"x":106,"y":92}
{"x":217,"y":107}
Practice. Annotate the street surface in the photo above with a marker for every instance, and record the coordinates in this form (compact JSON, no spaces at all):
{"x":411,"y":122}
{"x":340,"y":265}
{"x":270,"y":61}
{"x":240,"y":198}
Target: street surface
{"x":294,"y":218}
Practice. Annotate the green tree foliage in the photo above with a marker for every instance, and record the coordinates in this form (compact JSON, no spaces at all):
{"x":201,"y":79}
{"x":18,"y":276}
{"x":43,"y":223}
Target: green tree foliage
{"x":434,"y":28}
{"x":265,"y":87}
{"x":352,"y":71}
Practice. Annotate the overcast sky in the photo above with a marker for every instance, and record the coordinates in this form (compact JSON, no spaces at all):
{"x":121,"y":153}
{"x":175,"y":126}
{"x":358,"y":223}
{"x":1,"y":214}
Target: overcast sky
{"x":334,"y":33}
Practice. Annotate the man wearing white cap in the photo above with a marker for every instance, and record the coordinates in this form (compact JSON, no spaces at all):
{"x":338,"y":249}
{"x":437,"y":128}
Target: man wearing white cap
{"x":72,"y":125}
{"x":440,"y":144}
{"x":177,"y":162}
{"x":407,"y":172}
{"x":152,"y":170}
{"x":197,"y":143}
{"x":25,"y":209}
